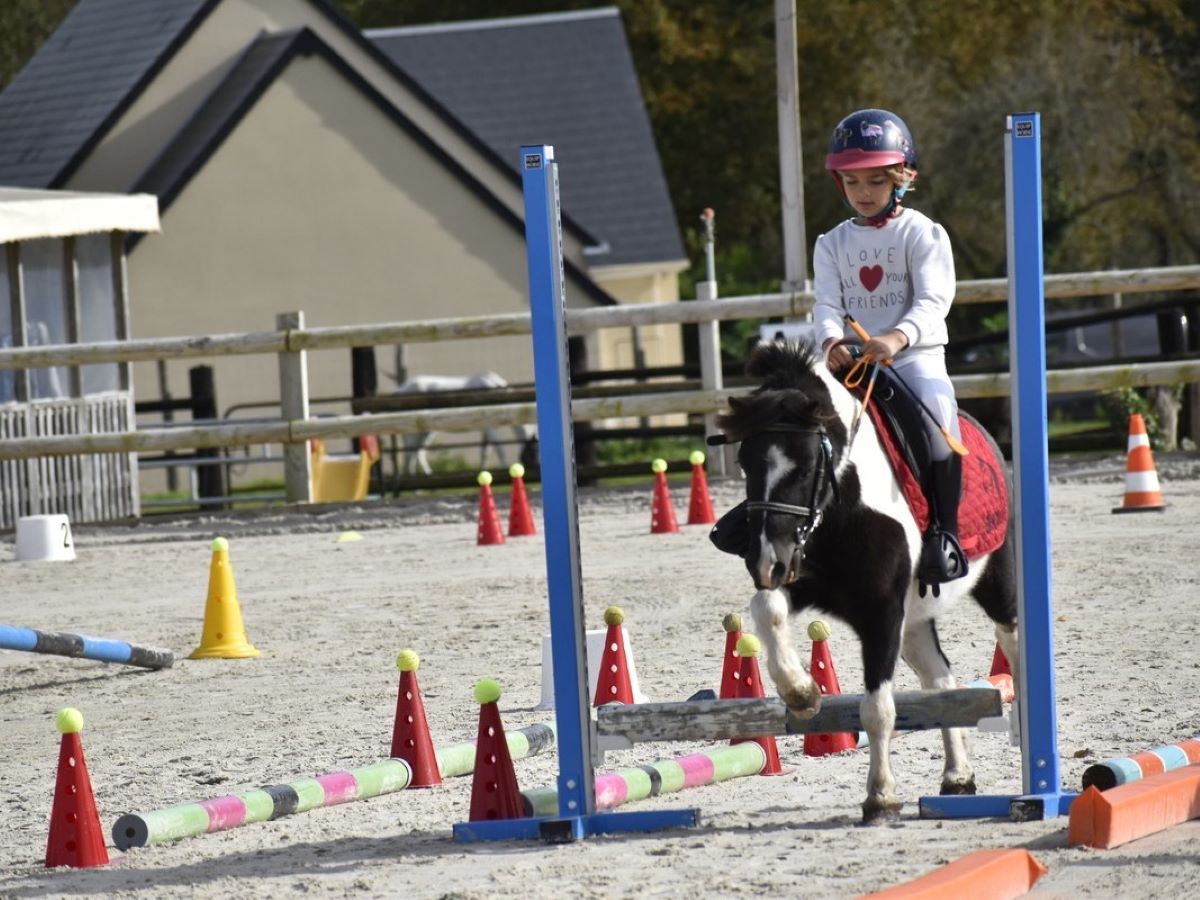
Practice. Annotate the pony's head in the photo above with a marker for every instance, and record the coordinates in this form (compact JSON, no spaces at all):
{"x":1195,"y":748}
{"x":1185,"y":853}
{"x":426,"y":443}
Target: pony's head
{"x":791,"y":438}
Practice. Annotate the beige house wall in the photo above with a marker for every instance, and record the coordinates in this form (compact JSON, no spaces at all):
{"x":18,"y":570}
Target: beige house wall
{"x":341,"y":214}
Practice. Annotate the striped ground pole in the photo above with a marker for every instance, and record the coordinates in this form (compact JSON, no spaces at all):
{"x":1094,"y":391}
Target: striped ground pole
{"x":1113,"y":772}
{"x":83,"y":646}
{"x":666,"y":776}
{"x":276,"y":801}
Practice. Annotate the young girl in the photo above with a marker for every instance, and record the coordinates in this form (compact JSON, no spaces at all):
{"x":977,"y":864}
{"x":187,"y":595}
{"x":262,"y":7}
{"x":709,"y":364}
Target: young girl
{"x":892,"y":269}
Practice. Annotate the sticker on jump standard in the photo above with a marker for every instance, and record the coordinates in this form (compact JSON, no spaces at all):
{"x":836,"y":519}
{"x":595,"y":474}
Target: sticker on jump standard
{"x":1024,"y":129}
{"x":533,"y":160}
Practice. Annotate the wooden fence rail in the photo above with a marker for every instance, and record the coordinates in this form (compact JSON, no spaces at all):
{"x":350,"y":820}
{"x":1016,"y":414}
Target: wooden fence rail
{"x":473,"y":418}
{"x":289,"y":344}
{"x":579,"y":321}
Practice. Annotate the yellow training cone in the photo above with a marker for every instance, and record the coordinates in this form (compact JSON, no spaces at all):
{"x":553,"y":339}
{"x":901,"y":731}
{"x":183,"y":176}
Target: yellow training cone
{"x":224,"y":634}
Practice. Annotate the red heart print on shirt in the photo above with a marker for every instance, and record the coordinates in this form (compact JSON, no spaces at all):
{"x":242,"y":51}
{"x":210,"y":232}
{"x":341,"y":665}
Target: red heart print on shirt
{"x":871,"y":276}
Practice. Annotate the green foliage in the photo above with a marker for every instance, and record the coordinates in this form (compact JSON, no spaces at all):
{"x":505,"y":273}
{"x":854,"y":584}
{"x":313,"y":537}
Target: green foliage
{"x":632,"y":450}
{"x":1121,"y":403}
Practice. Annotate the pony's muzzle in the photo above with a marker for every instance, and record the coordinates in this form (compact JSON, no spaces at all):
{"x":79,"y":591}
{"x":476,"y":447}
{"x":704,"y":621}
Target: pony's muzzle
{"x":767,"y":571}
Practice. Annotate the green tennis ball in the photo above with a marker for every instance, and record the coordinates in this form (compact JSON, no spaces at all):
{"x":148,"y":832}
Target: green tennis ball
{"x":659,"y":465}
{"x":696,"y":457}
{"x":818,"y":630}
{"x":732,"y":622}
{"x":485,"y":478}
{"x":748,"y":645}
{"x":219,"y":545}
{"x":408,"y":661}
{"x":487,"y":690}
{"x":614,"y":615}
{"x":68,"y":720}
{"x":516,"y":470}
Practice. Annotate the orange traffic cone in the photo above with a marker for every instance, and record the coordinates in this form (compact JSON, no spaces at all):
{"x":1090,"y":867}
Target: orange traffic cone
{"x":750,"y":685}
{"x":410,"y":732}
{"x":700,"y":508}
{"x":520,"y":519}
{"x":613,"y":685}
{"x":662,"y":511}
{"x":76,"y":838}
{"x":821,"y":668}
{"x":1000,"y":664}
{"x":1142,"y":493}
{"x":494,"y":790}
{"x":732,"y":624}
{"x":490,"y":531}
{"x":224,"y":634}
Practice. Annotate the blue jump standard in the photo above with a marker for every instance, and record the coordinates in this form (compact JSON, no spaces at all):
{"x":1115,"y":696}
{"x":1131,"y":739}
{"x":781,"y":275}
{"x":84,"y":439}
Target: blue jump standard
{"x":1043,"y":796}
{"x":84,"y":647}
{"x":578,"y":817}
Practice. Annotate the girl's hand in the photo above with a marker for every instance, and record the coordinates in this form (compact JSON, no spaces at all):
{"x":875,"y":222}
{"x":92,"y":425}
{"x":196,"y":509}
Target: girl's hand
{"x":885,"y":347}
{"x":837,"y":357}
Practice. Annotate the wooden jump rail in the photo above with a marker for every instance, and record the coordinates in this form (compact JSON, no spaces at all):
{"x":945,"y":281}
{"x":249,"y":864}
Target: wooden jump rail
{"x":620,"y":727}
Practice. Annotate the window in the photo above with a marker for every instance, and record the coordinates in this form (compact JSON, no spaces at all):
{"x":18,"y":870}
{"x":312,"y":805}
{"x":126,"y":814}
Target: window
{"x":97,"y":309}
{"x":45,"y":310}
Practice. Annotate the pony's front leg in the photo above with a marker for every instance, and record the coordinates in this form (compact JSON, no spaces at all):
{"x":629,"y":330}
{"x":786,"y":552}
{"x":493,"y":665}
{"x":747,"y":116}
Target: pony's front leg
{"x":770,"y":609}
{"x":923,"y":653}
{"x":878,"y":713}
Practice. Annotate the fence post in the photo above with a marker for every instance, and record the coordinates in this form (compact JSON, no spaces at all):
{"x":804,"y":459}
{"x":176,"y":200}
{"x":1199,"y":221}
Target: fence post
{"x":293,"y":403}
{"x":711,"y":377}
{"x":210,"y":477}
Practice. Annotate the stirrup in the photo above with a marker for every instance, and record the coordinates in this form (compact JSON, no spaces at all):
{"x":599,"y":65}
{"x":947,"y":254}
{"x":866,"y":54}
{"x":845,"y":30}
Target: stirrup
{"x":942,"y":558}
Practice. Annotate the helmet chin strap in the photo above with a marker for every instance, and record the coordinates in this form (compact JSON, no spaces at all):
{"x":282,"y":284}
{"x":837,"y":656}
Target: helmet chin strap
{"x":890,"y":211}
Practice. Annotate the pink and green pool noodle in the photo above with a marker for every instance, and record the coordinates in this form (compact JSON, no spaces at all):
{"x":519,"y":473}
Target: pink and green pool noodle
{"x":666,"y":776}
{"x":276,"y":801}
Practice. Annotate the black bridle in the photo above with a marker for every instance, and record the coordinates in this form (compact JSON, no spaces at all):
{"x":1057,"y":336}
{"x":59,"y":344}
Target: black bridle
{"x":809,"y":517}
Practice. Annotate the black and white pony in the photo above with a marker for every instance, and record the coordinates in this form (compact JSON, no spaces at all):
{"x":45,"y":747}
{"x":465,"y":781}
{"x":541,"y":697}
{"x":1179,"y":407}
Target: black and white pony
{"x":829,"y":530}
{"x":416,"y":445}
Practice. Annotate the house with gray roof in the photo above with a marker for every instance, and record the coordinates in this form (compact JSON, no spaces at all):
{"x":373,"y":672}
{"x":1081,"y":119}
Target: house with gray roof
{"x":300,"y":164}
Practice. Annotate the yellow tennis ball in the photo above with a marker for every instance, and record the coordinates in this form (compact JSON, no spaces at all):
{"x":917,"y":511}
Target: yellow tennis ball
{"x":696,"y":458}
{"x":748,"y":645}
{"x":659,"y":465}
{"x":516,"y":470}
{"x":68,"y":720}
{"x":485,"y":478}
{"x":408,"y":661}
{"x":487,"y":690}
{"x":614,"y":615}
{"x":219,"y":544}
{"x":818,"y":630}
{"x":732,"y":622}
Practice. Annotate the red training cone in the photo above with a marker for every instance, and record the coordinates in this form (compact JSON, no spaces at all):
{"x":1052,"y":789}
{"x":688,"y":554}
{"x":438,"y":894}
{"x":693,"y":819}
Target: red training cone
{"x":520,"y":519}
{"x":732,"y":624}
{"x":76,"y":838}
{"x":1000,"y":664}
{"x":613,"y":685}
{"x":494,"y":790}
{"x":750,"y":686}
{"x":410,"y":732}
{"x":490,"y":531}
{"x":1142,"y":493}
{"x":821,"y":668}
{"x":700,"y":508}
{"x":662,"y":511}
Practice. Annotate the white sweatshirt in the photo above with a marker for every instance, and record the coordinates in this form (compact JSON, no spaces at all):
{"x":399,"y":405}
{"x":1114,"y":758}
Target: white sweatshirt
{"x":900,"y":276}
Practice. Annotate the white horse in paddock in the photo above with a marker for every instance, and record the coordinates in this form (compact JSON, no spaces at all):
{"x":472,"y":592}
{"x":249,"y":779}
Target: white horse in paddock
{"x":826,"y":526}
{"x":416,"y":445}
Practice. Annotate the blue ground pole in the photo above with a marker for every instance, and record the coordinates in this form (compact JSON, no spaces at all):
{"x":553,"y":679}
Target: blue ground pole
{"x":1043,"y":797}
{"x":577,"y":816}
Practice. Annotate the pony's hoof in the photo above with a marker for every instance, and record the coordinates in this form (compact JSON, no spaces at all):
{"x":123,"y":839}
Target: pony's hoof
{"x":958,"y":788}
{"x":803,"y":703}
{"x":881,"y":812}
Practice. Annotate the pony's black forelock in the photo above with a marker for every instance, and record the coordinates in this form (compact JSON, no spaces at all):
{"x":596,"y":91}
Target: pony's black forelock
{"x":791,"y":392}
{"x":784,"y":364}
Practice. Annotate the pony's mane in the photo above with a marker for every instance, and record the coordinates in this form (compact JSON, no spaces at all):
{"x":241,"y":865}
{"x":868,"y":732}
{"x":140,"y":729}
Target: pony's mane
{"x":791,"y":392}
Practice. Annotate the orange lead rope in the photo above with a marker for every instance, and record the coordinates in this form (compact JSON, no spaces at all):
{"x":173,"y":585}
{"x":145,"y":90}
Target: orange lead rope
{"x":859,"y":369}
